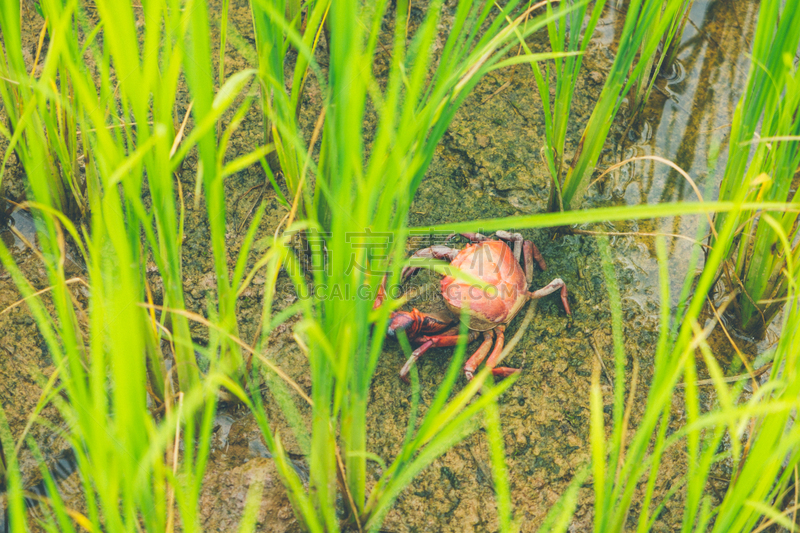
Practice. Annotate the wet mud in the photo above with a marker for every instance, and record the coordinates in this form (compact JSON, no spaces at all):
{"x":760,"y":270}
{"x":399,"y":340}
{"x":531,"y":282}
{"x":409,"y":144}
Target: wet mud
{"x":488,"y":165}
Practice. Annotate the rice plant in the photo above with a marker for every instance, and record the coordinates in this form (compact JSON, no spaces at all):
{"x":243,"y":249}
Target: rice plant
{"x":2,"y":467}
{"x":671,"y":51}
{"x":360,"y":203}
{"x":663,"y":58}
{"x":763,"y":438}
{"x":55,"y":120}
{"x":648,"y":24}
{"x":131,"y":147}
{"x":565,"y":71}
{"x":763,"y":158}
{"x":108,"y":357}
{"x":142,"y":471}
{"x":277,"y":26}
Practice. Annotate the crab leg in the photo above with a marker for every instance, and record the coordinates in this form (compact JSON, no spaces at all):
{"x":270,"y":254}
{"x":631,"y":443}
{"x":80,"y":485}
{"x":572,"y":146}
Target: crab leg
{"x":516,"y":238}
{"x":436,"y":341}
{"x":472,"y":237}
{"x":550,"y":288}
{"x":479,"y":355}
{"x":381,"y":294}
{"x":436,"y":251}
{"x":501,"y":371}
{"x":531,"y":254}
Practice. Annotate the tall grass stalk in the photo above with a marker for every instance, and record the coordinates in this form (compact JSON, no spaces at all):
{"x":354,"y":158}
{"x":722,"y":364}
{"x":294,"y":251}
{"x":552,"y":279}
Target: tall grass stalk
{"x":648,"y":23}
{"x":360,"y":203}
{"x":565,"y":70}
{"x":127,"y":130}
{"x":131,"y":149}
{"x":125,"y":126}
{"x":763,"y":158}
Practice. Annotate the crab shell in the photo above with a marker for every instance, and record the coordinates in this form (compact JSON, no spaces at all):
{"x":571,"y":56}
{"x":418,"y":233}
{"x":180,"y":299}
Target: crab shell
{"x":492,"y":262}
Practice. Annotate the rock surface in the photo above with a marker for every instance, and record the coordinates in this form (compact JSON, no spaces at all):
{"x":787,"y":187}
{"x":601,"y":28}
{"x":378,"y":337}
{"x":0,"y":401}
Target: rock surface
{"x":225,"y":493}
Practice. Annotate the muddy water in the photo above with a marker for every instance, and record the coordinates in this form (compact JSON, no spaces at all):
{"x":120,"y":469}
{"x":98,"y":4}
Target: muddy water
{"x":488,"y":165}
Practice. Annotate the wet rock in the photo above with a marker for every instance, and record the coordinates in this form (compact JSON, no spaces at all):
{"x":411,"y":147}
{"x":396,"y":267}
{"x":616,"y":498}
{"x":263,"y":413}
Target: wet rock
{"x":224,"y":495}
{"x":596,"y":78}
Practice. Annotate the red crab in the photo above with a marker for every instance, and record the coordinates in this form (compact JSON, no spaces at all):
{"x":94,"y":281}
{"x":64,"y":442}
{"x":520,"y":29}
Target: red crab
{"x":493,"y":262}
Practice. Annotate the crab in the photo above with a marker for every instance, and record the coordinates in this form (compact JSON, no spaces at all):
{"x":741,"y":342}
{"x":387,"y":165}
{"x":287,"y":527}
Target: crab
{"x":490,"y":311}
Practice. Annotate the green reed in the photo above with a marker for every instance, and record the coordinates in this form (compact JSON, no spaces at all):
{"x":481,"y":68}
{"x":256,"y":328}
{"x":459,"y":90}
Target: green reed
{"x":358,"y":210}
{"x":648,"y":24}
{"x":763,"y":157}
{"x":669,"y":43}
{"x":108,"y":354}
{"x":54,"y":125}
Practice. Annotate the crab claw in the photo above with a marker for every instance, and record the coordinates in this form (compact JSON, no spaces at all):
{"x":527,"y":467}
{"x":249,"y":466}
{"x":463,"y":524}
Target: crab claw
{"x":400,"y":321}
{"x":417,"y":324}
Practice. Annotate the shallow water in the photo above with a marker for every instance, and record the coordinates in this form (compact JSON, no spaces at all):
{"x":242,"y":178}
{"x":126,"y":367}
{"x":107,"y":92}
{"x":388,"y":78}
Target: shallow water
{"x":489,"y":165}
